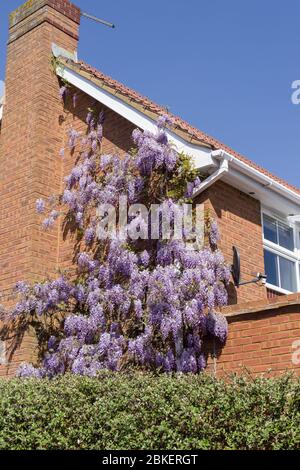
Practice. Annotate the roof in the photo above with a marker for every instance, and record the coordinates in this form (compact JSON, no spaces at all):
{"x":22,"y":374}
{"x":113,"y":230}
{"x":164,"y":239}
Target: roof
{"x":145,"y":105}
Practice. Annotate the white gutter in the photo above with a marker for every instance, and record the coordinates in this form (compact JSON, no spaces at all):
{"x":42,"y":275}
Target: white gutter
{"x":264,"y":180}
{"x":217,"y":175}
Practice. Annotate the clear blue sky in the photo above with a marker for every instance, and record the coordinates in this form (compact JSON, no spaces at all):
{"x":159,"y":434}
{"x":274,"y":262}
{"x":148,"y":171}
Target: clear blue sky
{"x":224,"y":66}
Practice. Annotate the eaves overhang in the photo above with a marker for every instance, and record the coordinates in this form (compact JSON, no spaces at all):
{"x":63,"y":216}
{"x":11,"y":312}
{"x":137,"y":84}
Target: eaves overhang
{"x":268,"y":191}
{"x":246,"y":177}
{"x":134,"y":113}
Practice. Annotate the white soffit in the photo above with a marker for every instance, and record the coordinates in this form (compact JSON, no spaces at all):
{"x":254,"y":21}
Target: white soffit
{"x":200,"y":155}
{"x":267,"y":195}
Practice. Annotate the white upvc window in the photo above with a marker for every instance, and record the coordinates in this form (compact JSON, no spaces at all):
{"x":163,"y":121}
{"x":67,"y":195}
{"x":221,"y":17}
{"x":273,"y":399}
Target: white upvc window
{"x":281,"y":252}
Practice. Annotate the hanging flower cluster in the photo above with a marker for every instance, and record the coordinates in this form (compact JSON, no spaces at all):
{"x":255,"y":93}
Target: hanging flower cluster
{"x":144,"y":303}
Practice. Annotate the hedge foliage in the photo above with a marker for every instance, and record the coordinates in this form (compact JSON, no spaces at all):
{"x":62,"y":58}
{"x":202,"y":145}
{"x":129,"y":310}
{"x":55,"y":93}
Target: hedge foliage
{"x":135,"y":411}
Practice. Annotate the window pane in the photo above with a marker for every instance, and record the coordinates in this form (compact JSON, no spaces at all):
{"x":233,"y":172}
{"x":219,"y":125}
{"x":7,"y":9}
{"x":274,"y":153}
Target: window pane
{"x":270,"y":229}
{"x":287,"y":274}
{"x":286,"y":236}
{"x":271,"y":268}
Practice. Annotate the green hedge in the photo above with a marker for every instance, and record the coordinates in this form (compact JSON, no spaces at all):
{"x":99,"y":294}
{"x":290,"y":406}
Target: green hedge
{"x":150,"y":412}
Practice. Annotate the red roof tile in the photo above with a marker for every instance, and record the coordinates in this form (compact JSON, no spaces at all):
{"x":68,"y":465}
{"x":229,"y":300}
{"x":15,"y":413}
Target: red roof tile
{"x":191,"y":132}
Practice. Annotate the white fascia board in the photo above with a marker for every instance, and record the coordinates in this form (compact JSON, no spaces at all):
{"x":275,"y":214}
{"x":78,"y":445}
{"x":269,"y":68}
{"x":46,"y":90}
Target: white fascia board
{"x":201,"y":155}
{"x":265,"y":184}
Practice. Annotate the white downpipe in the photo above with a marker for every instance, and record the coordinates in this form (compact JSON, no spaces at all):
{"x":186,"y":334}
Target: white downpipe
{"x":217,"y":175}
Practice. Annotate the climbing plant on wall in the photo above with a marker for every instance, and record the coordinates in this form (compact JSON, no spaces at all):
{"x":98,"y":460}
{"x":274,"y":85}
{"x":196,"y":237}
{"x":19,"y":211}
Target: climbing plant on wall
{"x":138,"y":301}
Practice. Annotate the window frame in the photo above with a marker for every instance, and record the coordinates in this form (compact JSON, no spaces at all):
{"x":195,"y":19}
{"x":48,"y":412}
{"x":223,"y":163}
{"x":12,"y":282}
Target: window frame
{"x":293,"y":256}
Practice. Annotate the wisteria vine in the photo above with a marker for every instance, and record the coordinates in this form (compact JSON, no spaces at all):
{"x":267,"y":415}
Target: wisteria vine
{"x":146,"y":303}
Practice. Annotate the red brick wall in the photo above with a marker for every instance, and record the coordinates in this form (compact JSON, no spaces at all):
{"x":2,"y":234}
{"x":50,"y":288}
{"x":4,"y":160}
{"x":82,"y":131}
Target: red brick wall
{"x":271,"y":294}
{"x":263,"y":336}
{"x":117,"y":133}
{"x":34,"y":129}
{"x":31,"y":137}
{"x":239,"y":219}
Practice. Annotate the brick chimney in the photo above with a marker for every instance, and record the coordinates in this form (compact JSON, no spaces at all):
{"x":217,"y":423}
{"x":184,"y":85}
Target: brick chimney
{"x":31,"y":138}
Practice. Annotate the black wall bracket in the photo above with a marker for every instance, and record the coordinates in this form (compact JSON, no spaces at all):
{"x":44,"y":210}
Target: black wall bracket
{"x":236,"y":272}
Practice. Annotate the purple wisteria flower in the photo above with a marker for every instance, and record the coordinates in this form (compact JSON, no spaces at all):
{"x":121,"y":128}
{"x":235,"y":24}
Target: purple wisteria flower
{"x":217,"y":326}
{"x":145,"y":258}
{"x":164,"y":121}
{"x":22,"y":287}
{"x":202,"y":362}
{"x":40,"y":206}
{"x":191,"y":186}
{"x":73,"y":136}
{"x":141,"y":302}
{"x":214,"y":235}
{"x":90,"y":236}
{"x":27,"y":371}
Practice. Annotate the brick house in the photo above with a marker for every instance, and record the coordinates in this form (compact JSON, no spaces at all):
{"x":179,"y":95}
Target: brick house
{"x":257,"y":212}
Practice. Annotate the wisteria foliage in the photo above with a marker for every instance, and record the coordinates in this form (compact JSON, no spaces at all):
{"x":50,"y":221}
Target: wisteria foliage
{"x":148,"y":305}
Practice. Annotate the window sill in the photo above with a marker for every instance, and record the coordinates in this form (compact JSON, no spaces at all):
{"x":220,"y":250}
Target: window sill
{"x":279,"y":290}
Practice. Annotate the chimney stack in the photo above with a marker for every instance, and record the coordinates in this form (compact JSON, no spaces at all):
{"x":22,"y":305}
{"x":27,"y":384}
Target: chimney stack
{"x":31,"y":138}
